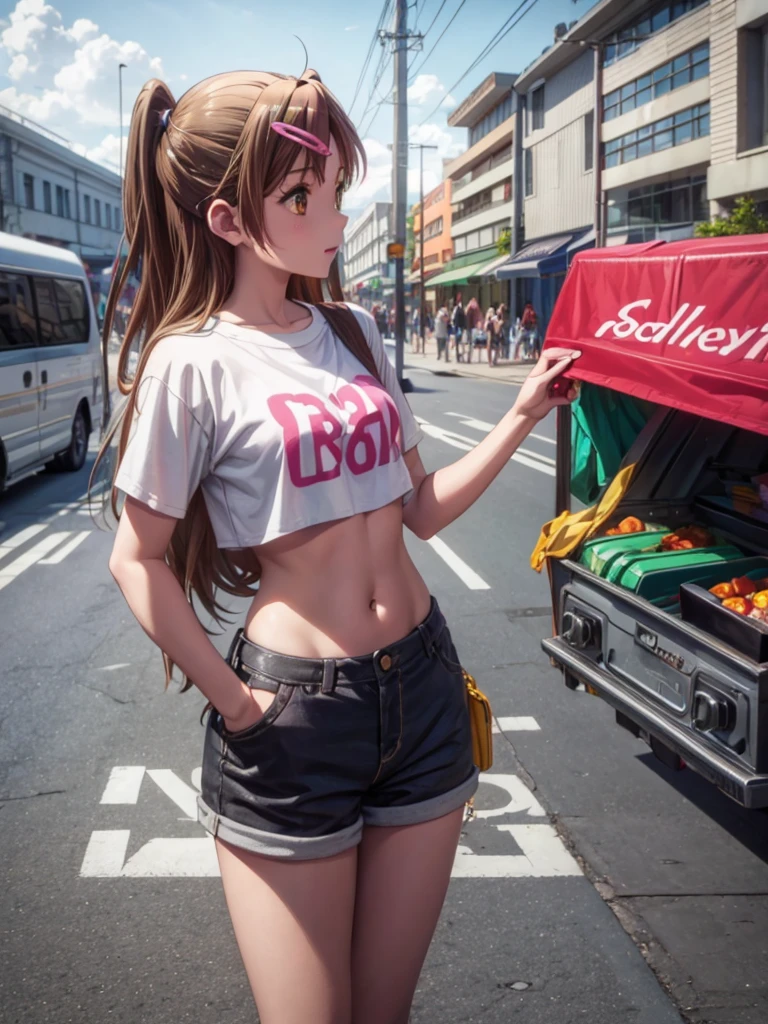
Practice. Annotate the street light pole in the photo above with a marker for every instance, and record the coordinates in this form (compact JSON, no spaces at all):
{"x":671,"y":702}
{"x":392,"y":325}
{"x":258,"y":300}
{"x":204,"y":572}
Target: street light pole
{"x":120,"y":101}
{"x":421,"y":147}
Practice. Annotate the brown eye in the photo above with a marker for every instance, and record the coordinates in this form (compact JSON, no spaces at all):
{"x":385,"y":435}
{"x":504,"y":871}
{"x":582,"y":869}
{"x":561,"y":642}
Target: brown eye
{"x":339,"y":196}
{"x":297,"y":201}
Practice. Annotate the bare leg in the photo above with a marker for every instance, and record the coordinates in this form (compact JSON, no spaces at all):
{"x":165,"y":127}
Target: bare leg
{"x":403,"y":875}
{"x":293,"y":925}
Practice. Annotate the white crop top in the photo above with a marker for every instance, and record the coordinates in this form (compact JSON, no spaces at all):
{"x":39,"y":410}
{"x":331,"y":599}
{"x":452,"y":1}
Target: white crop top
{"x":280,"y":431}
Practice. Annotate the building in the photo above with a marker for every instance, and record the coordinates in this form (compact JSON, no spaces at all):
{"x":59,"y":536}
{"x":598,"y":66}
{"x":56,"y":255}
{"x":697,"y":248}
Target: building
{"x":438,"y":245}
{"x":482,"y":192}
{"x":51,"y":194}
{"x":640,"y":121}
{"x":368,"y":276}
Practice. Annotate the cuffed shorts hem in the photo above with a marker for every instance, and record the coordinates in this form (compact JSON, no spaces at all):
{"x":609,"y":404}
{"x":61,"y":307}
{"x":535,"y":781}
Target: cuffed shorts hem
{"x":425,"y":810}
{"x":270,"y":844}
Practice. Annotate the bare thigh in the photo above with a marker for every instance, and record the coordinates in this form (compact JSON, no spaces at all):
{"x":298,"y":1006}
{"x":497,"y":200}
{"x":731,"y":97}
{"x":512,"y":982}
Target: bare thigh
{"x":403,"y":875}
{"x":293,"y":926}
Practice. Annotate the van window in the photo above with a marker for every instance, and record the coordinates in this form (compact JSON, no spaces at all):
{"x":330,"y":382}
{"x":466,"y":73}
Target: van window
{"x":62,"y":310}
{"x":17,"y":319}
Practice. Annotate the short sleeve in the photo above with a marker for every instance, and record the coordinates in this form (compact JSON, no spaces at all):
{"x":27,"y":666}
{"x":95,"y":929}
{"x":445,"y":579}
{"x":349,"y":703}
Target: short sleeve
{"x":412,"y":433}
{"x":169,"y":445}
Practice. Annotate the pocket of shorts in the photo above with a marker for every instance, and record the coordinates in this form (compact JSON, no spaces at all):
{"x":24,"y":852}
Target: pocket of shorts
{"x":270,"y":716}
{"x":446,"y":652}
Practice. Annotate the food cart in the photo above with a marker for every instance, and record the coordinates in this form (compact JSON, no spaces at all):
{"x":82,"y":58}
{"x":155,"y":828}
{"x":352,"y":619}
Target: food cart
{"x":660,"y":581}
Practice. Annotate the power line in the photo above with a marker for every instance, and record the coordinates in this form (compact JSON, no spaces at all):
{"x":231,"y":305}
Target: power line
{"x":367,"y":61}
{"x":491,"y":45}
{"x":431,"y":24}
{"x":413,"y":77}
{"x":382,"y":66}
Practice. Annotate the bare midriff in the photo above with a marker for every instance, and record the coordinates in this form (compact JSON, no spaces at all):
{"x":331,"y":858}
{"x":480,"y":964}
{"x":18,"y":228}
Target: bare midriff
{"x":344,"y":588}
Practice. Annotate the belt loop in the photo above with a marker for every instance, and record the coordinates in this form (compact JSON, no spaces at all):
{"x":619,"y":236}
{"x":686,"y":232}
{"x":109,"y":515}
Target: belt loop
{"x":426,"y":639}
{"x":329,"y":675}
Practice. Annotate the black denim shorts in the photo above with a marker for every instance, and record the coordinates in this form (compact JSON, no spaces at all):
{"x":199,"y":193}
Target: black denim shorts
{"x":382,"y":739}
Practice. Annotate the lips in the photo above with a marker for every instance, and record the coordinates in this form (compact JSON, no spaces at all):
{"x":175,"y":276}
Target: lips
{"x":333,"y":248}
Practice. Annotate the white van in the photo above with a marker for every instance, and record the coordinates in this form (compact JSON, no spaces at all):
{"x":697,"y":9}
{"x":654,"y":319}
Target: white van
{"x":51,"y":371}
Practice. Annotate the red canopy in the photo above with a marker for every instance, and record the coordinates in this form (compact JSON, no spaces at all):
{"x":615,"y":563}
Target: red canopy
{"x":684,"y":324}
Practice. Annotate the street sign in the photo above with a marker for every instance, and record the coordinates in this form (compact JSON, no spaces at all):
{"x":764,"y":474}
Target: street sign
{"x":395,"y":251}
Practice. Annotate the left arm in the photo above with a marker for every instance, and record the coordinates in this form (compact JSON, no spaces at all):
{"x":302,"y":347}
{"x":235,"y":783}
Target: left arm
{"x":441,"y":497}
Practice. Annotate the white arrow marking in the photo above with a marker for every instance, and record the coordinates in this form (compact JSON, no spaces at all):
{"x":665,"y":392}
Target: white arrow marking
{"x":176,"y":789}
{"x":543,"y":856}
{"x":123,"y":785}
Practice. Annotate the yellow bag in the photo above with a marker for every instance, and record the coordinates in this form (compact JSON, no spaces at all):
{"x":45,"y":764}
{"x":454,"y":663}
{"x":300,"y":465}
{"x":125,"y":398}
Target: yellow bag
{"x":481,"y":719}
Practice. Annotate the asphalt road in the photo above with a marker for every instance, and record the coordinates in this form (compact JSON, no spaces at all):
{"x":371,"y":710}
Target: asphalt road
{"x":587,"y":862}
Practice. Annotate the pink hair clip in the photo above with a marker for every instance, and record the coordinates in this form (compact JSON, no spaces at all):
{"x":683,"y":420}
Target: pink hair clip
{"x":304,"y":138}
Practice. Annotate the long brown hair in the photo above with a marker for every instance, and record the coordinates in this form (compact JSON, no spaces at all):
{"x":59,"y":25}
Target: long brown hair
{"x":215,"y":142}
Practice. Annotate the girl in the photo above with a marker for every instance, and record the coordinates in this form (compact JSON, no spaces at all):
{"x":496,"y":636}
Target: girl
{"x":488,"y":327}
{"x":266,"y":440}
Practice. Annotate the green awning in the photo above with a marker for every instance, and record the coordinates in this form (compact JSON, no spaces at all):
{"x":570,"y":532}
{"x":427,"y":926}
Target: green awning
{"x":459,"y":275}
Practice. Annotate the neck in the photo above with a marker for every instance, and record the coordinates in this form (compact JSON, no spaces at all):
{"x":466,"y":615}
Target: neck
{"x":258,"y":296}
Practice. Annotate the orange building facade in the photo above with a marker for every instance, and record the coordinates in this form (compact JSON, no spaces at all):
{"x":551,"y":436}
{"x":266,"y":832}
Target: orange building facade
{"x":438,"y":248}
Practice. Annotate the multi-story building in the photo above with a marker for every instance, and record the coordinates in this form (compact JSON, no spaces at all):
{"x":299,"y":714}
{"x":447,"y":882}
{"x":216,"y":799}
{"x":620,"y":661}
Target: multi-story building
{"x":438,"y":245}
{"x":482,"y":182}
{"x":368,"y":276}
{"x":678,"y":95}
{"x":51,"y":194}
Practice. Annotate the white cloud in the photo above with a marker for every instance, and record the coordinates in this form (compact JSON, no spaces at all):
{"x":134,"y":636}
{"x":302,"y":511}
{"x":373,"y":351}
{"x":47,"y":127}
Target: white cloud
{"x":429,"y":89}
{"x":107,"y":152}
{"x":67,"y":76}
{"x":351,"y":28}
{"x":377,"y":183}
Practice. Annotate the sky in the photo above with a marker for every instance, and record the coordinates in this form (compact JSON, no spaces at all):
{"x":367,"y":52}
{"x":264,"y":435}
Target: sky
{"x":59,"y":63}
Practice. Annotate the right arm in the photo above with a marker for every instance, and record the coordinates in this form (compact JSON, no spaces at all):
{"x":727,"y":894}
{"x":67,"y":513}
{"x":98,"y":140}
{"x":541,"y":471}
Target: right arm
{"x":157,"y":599}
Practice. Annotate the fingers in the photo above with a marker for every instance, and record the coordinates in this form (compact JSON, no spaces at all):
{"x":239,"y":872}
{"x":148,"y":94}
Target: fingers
{"x":560,"y":353}
{"x":556,"y":370}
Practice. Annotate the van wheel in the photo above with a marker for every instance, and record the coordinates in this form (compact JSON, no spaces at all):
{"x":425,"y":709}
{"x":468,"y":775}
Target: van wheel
{"x":74,"y":457}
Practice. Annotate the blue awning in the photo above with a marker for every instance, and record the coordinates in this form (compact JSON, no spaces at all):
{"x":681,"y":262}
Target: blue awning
{"x":536,"y":259}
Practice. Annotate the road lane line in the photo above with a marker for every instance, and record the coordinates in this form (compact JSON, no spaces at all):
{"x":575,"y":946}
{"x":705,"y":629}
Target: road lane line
{"x":62,"y":553}
{"x":459,"y":566}
{"x":523,"y":455}
{"x":21,"y":538}
{"x":123,"y":785}
{"x":40,"y":550}
{"x":486,"y":426}
{"x":522,"y":723}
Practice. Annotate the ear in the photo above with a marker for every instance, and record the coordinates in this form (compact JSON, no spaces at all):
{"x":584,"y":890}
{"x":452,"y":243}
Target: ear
{"x":224,"y":221}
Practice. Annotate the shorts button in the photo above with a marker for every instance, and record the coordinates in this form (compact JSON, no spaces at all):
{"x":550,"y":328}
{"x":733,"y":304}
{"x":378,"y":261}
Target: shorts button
{"x":386,"y":662}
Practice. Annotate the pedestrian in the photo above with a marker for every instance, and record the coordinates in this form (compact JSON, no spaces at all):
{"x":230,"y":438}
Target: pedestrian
{"x":459,"y":322}
{"x":380,"y":316}
{"x":473,"y":316}
{"x":415,"y":329}
{"x":502,"y":331}
{"x":488,"y":327}
{"x":333,"y":779}
{"x":442,"y":322}
{"x":527,"y":334}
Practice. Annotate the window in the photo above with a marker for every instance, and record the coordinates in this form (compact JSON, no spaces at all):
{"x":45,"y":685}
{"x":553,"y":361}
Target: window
{"x":67,"y":208}
{"x":537,"y":108}
{"x":529,"y":172}
{"x":29,"y":191}
{"x":108,"y":215}
{"x":687,"y":67}
{"x":17,"y":318}
{"x":51,"y":331}
{"x":753,"y":47}
{"x":87,"y":209}
{"x":47,"y":204}
{"x":97,"y":212}
{"x":668,"y":204}
{"x":73,"y":309}
{"x":627,"y":39}
{"x":492,"y":120}
{"x":59,"y":201}
{"x":682,"y":127}
{"x":589,"y":140}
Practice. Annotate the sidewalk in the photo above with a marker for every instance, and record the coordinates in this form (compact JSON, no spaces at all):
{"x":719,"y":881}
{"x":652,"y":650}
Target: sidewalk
{"x":505,"y":372}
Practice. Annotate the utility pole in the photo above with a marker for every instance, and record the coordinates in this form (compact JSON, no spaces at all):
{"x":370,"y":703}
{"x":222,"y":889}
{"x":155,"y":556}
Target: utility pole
{"x":120,"y":101}
{"x":396,"y":250}
{"x":421,"y":147}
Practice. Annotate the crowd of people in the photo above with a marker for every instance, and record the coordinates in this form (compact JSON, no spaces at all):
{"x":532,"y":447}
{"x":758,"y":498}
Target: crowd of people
{"x":489,"y":335}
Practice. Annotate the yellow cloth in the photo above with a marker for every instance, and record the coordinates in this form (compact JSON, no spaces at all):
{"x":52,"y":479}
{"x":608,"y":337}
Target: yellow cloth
{"x":562,"y":535}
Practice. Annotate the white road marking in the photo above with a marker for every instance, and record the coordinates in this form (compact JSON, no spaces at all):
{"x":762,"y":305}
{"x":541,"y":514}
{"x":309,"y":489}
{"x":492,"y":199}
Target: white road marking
{"x":61,"y":554}
{"x":522,"y":724}
{"x":112,"y":668}
{"x":40,"y":550}
{"x":542,"y":853}
{"x":523,"y":455}
{"x":182,"y":795}
{"x":21,"y":538}
{"x":123,"y":785}
{"x":470,"y":421}
{"x":459,"y":566}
